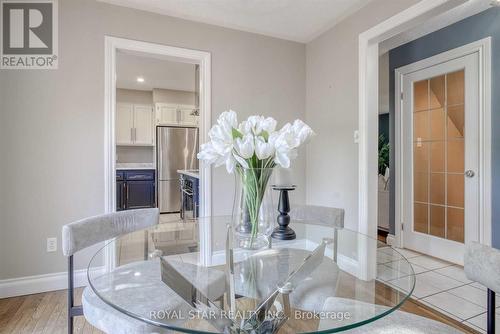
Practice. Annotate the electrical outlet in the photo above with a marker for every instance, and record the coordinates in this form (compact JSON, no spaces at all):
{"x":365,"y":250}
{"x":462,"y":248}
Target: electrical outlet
{"x":51,"y":245}
{"x":356,"y":136}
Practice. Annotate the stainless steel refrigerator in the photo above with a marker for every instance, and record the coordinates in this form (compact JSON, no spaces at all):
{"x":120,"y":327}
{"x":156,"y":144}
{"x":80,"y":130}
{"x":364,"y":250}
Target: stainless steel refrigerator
{"x":176,"y":149}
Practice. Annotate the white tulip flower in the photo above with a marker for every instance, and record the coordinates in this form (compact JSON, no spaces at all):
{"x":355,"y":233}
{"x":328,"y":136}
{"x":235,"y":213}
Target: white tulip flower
{"x":257,"y":124}
{"x":242,"y":162}
{"x":287,"y":138}
{"x":302,"y":131}
{"x":284,"y":157}
{"x":263,"y":149}
{"x":245,"y":146}
{"x":230,"y":164}
{"x":228,"y":120}
{"x":268,"y":124}
{"x":285,"y":145}
{"x":250,"y":125}
{"x":245,"y":128}
{"x":208,"y":153}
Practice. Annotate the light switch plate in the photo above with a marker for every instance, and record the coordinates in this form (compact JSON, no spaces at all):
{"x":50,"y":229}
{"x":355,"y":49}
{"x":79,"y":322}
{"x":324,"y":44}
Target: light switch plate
{"x":356,"y":137}
{"x":51,"y":245}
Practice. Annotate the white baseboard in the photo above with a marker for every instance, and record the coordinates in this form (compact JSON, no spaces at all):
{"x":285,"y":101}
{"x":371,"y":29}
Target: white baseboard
{"x":27,"y":285}
{"x":391,"y":240}
{"x":348,"y":265}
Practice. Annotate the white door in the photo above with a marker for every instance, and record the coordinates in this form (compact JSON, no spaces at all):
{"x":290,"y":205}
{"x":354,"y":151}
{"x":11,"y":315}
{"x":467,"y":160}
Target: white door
{"x":166,"y":114}
{"x":440,"y":157}
{"x":124,"y":123}
{"x":143,"y":125}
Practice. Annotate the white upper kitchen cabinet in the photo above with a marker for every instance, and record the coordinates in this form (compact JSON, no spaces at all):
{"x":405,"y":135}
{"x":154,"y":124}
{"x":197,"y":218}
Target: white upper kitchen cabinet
{"x":188,"y":115}
{"x":143,"y":125}
{"x":134,"y":124}
{"x":124,"y":123}
{"x":166,"y":114}
{"x":176,"y":114}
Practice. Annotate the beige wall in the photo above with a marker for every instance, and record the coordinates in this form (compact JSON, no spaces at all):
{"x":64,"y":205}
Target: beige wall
{"x":173,"y":96}
{"x":383,"y":84}
{"x":134,"y":96}
{"x":332,"y":108}
{"x":53,"y":166}
{"x":3,"y":193}
{"x":135,"y":154}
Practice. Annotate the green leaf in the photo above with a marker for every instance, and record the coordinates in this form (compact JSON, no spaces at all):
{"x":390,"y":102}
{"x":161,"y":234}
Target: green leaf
{"x":384,"y":150}
{"x":236,"y":134}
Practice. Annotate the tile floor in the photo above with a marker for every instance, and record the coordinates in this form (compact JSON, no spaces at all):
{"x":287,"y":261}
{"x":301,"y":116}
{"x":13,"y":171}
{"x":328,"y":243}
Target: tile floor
{"x":440,"y":285}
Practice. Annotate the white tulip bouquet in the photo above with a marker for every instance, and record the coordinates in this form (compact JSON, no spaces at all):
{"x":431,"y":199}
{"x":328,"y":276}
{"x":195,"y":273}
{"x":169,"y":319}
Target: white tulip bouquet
{"x":253,"y":143}
{"x":253,"y":148}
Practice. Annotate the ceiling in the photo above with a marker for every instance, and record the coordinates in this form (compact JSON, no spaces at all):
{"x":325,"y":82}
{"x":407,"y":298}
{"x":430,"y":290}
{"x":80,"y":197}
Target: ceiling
{"x":157,"y":73}
{"x":296,"y":20}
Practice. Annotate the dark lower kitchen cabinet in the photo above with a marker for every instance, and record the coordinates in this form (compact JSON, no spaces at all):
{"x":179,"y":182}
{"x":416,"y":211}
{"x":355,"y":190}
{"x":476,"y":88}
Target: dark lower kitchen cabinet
{"x":140,"y":194}
{"x":120,"y":188}
{"x":135,"y":189}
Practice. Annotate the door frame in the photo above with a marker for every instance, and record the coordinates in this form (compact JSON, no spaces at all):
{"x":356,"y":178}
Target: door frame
{"x":483,"y":49}
{"x":367,"y":133}
{"x":190,"y":56}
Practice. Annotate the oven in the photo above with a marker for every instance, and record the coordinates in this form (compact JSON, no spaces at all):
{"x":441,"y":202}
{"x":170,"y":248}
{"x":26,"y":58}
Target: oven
{"x":189,"y":198}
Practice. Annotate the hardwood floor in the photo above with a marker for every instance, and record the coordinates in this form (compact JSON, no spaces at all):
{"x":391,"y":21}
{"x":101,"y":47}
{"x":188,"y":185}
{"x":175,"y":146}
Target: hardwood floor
{"x":413,"y":306}
{"x":46,"y":313}
{"x":382,"y":235}
{"x":40,"y":313}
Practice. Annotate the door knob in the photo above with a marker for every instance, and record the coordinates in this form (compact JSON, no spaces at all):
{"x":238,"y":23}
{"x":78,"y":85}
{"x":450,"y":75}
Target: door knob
{"x":470,"y":173}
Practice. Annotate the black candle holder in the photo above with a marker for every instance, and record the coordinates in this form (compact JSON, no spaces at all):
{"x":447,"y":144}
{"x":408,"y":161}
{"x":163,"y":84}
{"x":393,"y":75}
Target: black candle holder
{"x":283,"y":231}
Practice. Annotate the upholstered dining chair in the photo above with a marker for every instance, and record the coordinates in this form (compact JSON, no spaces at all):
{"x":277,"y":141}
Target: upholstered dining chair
{"x":397,"y":322}
{"x":310,"y":295}
{"x":322,"y":214}
{"x":87,"y":232}
{"x":482,"y":265}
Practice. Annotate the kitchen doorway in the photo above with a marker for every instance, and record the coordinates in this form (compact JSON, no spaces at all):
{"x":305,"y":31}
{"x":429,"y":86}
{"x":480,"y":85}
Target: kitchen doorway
{"x":197,"y":58}
{"x":441,"y":162}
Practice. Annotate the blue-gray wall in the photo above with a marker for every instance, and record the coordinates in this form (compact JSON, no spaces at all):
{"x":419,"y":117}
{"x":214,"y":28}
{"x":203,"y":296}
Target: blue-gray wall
{"x":383,"y":126}
{"x":474,"y":28}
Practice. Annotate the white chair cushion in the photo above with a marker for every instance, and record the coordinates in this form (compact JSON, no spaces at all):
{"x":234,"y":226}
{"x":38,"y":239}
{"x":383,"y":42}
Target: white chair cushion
{"x":397,"y":322}
{"x":141,"y":294}
{"x":109,"y":320}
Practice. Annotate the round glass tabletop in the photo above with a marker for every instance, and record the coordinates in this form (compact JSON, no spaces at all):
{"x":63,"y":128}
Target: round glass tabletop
{"x":187,"y":276}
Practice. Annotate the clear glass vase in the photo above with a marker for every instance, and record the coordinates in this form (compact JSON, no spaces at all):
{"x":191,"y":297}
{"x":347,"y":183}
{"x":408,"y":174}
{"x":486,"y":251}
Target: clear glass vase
{"x":253,"y":209}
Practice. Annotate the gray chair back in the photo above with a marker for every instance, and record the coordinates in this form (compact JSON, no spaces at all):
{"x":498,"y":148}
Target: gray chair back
{"x":322,"y":214}
{"x":482,"y":265}
{"x":90,"y":231}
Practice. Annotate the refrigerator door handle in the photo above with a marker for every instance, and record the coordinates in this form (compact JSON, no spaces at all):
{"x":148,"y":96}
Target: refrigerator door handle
{"x":159,"y":150}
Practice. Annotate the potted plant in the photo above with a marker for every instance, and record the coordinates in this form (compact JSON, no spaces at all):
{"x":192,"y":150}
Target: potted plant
{"x":252,"y":150}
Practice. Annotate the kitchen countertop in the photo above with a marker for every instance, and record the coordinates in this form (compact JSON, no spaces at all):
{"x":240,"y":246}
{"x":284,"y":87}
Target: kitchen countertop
{"x":190,"y":172}
{"x":146,"y":165}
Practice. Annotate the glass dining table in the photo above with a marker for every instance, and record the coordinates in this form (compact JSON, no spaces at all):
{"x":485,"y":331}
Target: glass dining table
{"x":190,"y":277}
